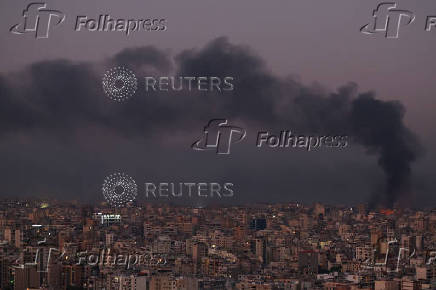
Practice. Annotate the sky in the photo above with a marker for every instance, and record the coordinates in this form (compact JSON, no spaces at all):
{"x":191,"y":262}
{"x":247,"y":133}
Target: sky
{"x":61,"y":136}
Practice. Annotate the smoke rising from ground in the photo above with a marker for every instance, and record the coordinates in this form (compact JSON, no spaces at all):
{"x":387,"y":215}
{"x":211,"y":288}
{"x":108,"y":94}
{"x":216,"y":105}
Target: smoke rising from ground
{"x":62,"y":99}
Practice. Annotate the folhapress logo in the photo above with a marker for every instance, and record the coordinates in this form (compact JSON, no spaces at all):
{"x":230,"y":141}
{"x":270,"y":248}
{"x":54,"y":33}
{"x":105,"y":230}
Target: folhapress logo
{"x":218,"y":135}
{"x":38,"y":19}
{"x":388,"y":20}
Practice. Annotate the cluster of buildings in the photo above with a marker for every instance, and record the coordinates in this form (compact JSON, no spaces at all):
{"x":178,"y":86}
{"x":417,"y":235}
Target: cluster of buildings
{"x":162,"y":247}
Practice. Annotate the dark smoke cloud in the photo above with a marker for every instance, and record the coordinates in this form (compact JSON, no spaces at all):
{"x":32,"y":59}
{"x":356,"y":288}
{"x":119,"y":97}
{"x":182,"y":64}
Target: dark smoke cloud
{"x":140,"y":58}
{"x":379,"y":127}
{"x":62,"y":98}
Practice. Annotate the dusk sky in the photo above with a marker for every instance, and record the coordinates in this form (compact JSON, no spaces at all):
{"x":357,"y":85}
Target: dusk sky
{"x":302,"y":65}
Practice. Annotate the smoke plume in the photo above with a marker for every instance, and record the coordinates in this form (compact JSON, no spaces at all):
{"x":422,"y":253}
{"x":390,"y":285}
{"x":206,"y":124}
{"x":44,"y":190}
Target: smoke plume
{"x":62,"y":98}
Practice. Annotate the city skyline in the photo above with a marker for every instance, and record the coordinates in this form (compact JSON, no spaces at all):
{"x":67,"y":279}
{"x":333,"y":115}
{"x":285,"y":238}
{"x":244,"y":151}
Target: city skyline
{"x":281,"y":246}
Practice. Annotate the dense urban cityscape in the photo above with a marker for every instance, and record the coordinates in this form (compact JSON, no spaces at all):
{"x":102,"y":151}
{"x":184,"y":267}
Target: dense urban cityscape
{"x":58,"y":245}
